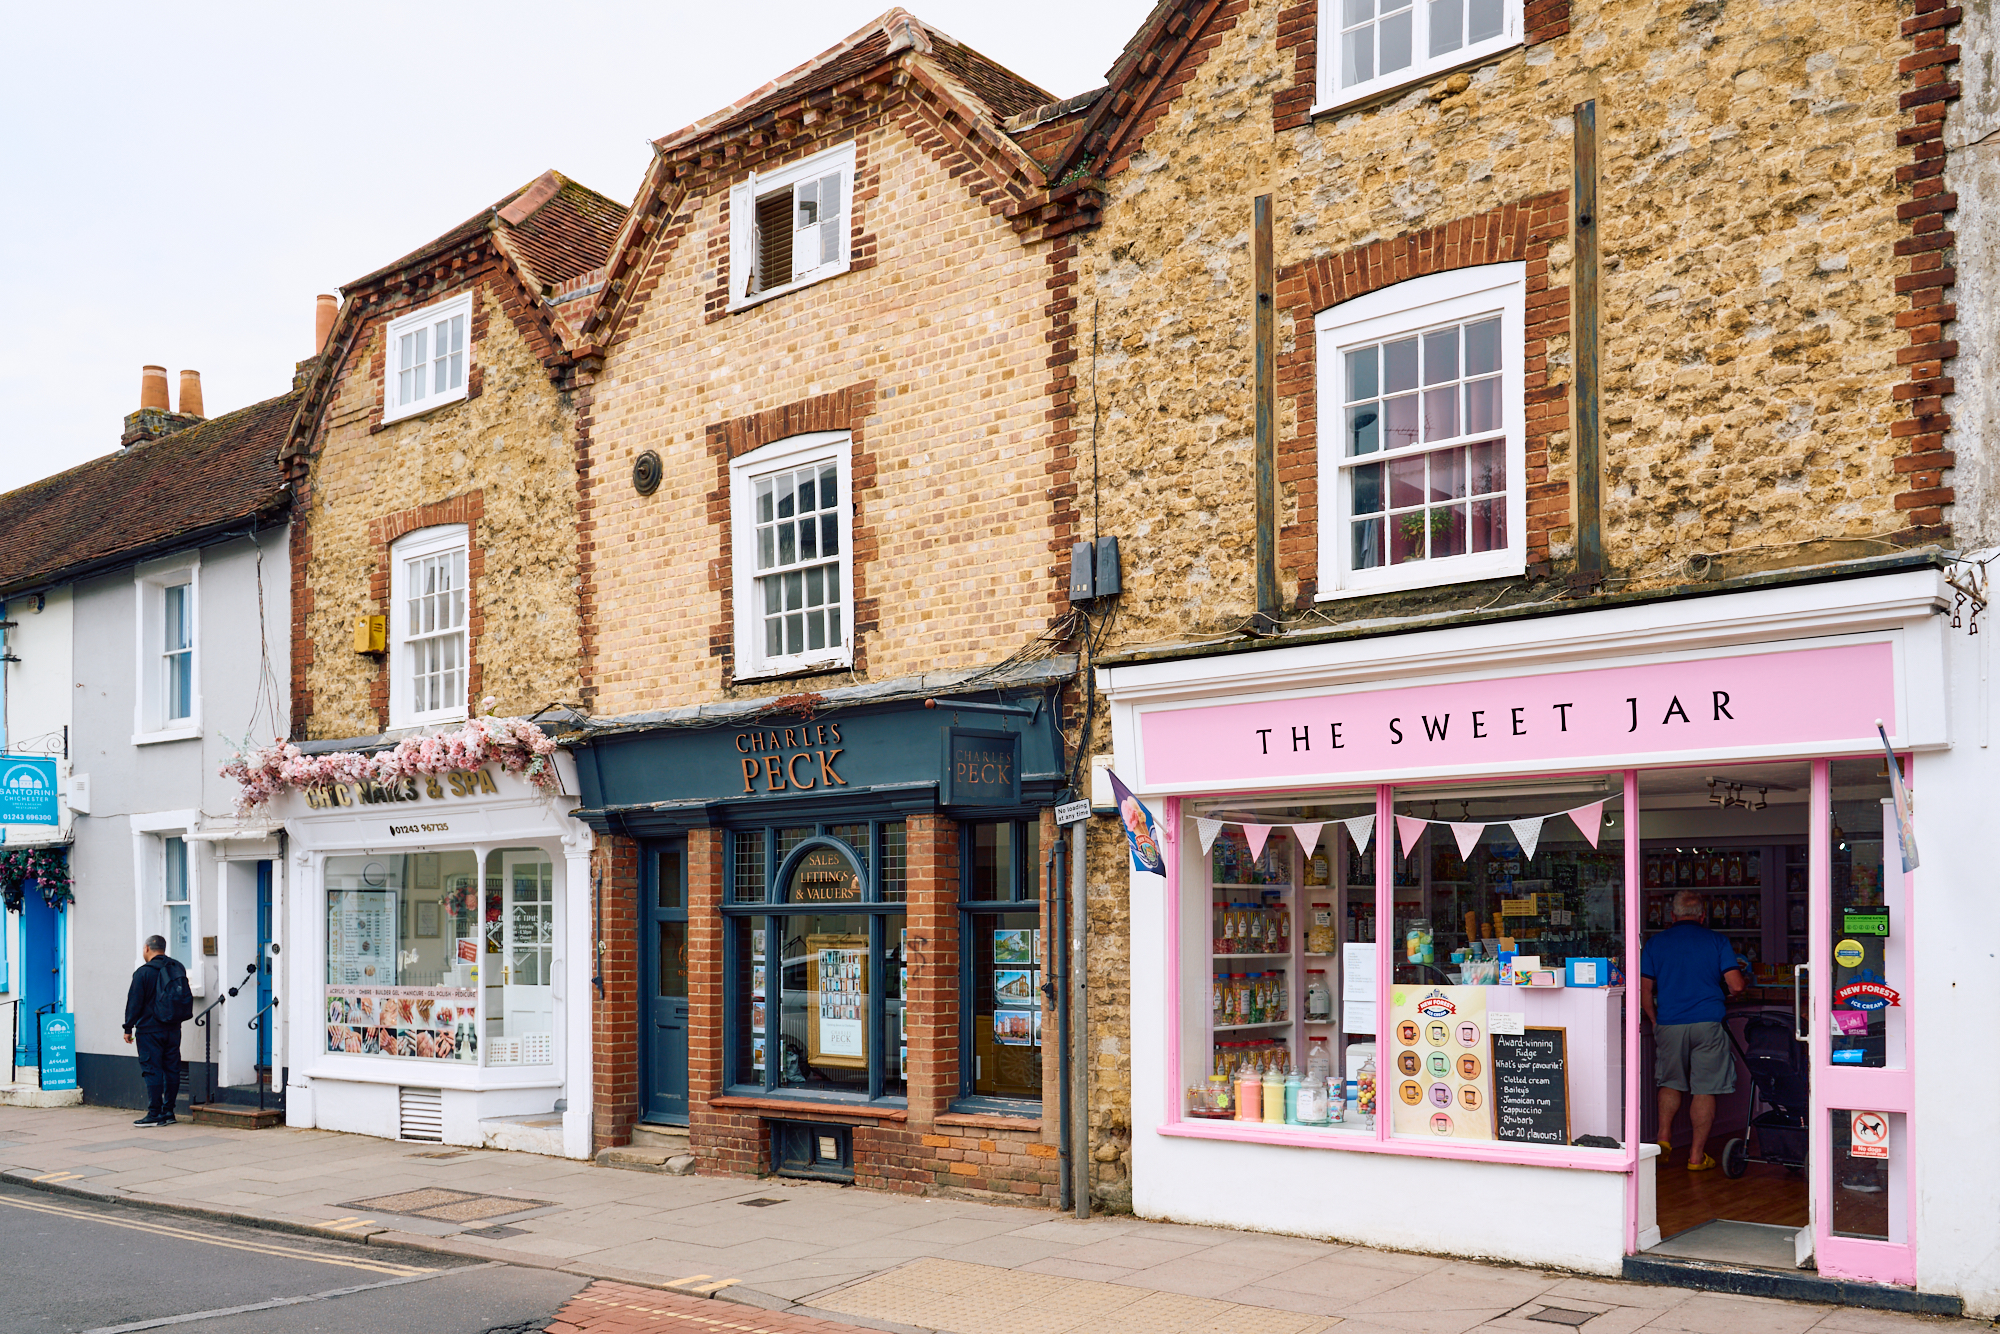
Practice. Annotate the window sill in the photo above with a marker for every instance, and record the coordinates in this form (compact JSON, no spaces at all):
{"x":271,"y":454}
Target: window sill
{"x":1030,"y":1121}
{"x":795,"y":285}
{"x":167,"y":734}
{"x":1379,"y":97}
{"x":365,"y":1069}
{"x":391,"y":419}
{"x":792,"y":670}
{"x":1512,"y":567}
{"x":1359,"y":1140}
{"x":416,"y":726}
{"x":876,"y":1111}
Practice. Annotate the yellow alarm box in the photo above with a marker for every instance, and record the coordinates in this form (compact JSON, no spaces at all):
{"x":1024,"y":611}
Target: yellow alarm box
{"x":371,"y":634}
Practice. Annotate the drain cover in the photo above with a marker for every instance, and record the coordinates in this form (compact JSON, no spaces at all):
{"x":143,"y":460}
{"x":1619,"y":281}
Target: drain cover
{"x":1557,"y":1315}
{"x":764,"y":1203}
{"x":494,"y":1234}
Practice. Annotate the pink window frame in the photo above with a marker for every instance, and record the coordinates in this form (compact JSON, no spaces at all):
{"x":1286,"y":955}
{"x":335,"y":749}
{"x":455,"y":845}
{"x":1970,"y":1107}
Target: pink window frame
{"x":1875,"y":1090}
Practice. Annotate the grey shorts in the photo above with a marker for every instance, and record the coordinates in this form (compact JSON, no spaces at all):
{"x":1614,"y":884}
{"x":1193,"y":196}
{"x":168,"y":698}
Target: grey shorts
{"x":1694,"y":1058}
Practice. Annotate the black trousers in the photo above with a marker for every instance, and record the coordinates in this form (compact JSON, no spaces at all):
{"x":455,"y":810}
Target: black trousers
{"x":160,"y":1063}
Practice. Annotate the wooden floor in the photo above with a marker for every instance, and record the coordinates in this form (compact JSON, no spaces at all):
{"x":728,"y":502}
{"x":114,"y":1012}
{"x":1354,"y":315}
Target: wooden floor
{"x":1763,"y":1194}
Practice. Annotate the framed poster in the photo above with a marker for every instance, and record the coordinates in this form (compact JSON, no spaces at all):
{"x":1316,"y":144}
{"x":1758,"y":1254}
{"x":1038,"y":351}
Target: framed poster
{"x":361,"y":937}
{"x":837,"y":1000}
{"x":427,"y":921}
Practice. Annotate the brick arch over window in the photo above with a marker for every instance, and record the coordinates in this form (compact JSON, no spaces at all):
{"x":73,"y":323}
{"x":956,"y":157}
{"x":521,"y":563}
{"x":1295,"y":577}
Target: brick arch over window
{"x":466,"y":508}
{"x":1521,"y":231}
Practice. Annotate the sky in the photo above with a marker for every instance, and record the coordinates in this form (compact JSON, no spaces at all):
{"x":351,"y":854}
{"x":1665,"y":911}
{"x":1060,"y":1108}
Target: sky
{"x":184,"y":179}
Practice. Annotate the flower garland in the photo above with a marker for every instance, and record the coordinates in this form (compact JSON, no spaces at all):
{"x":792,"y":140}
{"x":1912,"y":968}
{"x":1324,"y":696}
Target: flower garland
{"x":516,"y":744}
{"x":47,"y":867}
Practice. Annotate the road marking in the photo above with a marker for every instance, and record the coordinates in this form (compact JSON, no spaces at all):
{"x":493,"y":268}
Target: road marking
{"x":276,"y":1302}
{"x":710,"y":1289}
{"x":60,"y":1176}
{"x":682,"y":1282}
{"x":347,"y":1224}
{"x":255,"y":1247}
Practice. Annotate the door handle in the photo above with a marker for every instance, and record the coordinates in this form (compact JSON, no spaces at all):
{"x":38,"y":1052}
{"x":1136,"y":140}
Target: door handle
{"x":1798,"y":1012}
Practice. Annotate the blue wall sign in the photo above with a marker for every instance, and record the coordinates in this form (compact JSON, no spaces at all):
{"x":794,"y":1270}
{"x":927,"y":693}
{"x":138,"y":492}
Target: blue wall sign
{"x":28,"y":791}
{"x":59,"y":1050}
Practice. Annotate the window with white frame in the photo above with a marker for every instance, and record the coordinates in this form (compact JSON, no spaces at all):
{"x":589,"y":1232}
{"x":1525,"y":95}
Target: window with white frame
{"x":179,"y":924}
{"x":1422,"y":438}
{"x":427,"y":359}
{"x":428,"y":620}
{"x":794,"y":582}
{"x":167,"y":703}
{"x":1370,"y":46}
{"x":789,"y":227}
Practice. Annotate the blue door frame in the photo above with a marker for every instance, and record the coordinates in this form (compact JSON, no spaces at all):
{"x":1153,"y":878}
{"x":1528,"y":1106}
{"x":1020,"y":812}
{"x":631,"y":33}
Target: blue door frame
{"x":264,"y":962}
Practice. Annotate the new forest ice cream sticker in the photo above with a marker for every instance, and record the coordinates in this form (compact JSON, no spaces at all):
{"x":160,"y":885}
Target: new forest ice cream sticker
{"x":1442,"y":1062}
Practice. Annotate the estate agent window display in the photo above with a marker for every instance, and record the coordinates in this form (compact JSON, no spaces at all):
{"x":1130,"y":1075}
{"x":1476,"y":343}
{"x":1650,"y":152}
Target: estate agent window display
{"x":1001,"y":952}
{"x":818,"y":961}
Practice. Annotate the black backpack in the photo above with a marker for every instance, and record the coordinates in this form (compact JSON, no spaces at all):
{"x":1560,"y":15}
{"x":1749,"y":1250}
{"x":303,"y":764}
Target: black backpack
{"x":173,"y":1001}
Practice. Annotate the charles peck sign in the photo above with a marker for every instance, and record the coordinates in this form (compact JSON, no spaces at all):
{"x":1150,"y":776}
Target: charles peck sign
{"x":790,"y":759}
{"x":1797,"y":698}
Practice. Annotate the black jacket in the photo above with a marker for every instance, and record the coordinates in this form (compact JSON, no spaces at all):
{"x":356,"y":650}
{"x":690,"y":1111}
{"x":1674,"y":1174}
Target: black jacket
{"x":146,"y":979}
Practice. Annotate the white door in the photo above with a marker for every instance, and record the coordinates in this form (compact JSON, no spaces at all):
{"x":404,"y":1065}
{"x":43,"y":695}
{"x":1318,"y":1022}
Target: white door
{"x":530,"y":943}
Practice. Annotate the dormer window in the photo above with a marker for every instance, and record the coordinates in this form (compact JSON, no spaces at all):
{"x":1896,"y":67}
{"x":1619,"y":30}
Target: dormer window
{"x":789,"y":227}
{"x":428,"y":359}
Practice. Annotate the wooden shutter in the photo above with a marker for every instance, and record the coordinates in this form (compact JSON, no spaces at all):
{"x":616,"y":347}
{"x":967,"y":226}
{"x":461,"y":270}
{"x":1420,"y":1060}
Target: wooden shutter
{"x":774,"y":241}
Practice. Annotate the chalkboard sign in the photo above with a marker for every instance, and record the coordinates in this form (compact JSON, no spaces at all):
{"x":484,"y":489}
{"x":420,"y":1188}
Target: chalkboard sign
{"x":1531,"y":1086}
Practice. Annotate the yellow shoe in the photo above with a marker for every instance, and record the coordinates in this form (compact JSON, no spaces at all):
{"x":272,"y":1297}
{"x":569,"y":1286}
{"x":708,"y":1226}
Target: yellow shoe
{"x":1666,"y":1152}
{"x":1707,"y":1162}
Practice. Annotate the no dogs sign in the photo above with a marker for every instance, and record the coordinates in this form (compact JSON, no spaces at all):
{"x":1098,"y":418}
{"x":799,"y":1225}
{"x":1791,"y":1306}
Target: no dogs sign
{"x":1868,"y":1136}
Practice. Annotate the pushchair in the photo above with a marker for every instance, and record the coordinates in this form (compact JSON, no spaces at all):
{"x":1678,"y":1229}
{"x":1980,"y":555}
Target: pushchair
{"x":1781,"y":1080}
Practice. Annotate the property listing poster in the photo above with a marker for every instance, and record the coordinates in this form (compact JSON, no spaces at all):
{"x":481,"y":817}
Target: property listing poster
{"x":1440,"y":1076}
{"x":837,"y":968}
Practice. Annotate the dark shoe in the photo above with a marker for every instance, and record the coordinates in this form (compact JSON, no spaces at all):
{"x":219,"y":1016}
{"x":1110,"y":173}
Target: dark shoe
{"x":167,"y":1121}
{"x":147,"y":1120}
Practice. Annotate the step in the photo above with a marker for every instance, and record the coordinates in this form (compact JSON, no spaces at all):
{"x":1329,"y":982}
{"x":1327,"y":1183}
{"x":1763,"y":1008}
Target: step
{"x":648,"y":1160}
{"x":235,"y":1114}
{"x":23,"y":1093}
{"x":671,"y":1139}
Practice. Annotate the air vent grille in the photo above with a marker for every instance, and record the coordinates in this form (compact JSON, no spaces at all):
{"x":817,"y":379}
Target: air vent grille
{"x":422,"y":1114}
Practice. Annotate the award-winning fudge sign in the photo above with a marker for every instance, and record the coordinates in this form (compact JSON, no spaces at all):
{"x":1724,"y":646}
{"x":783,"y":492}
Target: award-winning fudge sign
{"x":1801,"y":697}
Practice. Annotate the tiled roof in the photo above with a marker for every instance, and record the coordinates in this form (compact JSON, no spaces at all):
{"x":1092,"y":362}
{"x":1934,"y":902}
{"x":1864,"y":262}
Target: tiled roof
{"x":999,"y":89}
{"x":555,"y":226}
{"x":140,"y":499}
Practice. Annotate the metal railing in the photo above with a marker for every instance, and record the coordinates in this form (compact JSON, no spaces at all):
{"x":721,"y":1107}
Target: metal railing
{"x":256,"y":1022}
{"x":14,"y":1044}
{"x":205,"y":1022}
{"x":53,"y":1007}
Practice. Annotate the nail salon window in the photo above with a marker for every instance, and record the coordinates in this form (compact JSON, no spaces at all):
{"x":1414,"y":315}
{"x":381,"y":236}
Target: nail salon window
{"x":430,"y":960}
{"x":1422,"y":433}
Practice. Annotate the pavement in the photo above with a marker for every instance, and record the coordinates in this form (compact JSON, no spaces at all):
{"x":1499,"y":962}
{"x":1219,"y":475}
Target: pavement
{"x":813,"y":1252}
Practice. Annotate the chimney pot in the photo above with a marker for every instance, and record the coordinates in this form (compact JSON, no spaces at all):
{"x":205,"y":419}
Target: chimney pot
{"x":191,"y":394}
{"x":325,"y":310}
{"x":153,"y":388}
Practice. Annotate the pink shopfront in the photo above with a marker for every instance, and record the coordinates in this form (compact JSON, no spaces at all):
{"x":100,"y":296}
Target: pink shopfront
{"x":1388,"y":990}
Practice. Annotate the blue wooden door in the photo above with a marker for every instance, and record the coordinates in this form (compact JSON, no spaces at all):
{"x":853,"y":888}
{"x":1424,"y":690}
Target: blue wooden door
{"x":664,"y":1006}
{"x":264,"y":964}
{"x":41,"y":967}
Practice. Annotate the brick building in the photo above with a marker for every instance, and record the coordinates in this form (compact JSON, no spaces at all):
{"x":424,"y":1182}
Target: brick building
{"x":1530,"y":427}
{"x":439,"y":914}
{"x":831,"y":436}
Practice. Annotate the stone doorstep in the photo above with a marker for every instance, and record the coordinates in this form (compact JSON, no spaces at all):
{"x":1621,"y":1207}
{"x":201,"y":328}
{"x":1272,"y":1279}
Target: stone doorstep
{"x":24,"y":1093}
{"x":672,"y":1163}
{"x":229,"y":1114}
{"x":671,"y":1139}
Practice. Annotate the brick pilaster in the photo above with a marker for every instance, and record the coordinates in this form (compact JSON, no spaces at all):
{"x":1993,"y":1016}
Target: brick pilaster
{"x":931,"y":1008}
{"x":614,"y":1021}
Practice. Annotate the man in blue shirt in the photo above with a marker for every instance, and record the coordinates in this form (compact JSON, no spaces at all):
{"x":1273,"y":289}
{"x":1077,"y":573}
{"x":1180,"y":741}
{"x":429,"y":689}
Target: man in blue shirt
{"x":1686,"y":974}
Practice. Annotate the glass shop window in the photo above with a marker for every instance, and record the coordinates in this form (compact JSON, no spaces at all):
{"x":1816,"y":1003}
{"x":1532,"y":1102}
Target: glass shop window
{"x":1003,"y":950}
{"x":520,"y":949}
{"x":1507,"y":991}
{"x":1869,"y":911}
{"x":405,"y":940}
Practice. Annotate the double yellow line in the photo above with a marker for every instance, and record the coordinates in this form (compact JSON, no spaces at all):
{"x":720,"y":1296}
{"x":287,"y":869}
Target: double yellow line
{"x":267,"y":1248}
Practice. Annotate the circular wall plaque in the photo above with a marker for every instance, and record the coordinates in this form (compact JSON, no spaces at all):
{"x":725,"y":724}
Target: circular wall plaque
{"x":646,"y":473}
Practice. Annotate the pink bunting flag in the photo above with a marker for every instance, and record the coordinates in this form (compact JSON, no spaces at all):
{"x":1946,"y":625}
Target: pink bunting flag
{"x":1411,"y":829}
{"x":1589,"y":820}
{"x":1307,"y":835}
{"x":1257,"y":834}
{"x":1467,"y":833}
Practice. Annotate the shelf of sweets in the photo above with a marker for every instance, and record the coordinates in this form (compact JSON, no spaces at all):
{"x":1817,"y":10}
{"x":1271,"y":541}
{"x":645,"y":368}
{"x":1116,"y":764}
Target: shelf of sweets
{"x":1246,"y":957}
{"x":1238,"y":1028}
{"x":1264,"y":887}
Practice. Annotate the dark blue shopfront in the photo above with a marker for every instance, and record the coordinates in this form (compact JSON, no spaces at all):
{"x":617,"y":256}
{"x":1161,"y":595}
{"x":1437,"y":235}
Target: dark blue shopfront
{"x":814,"y":830}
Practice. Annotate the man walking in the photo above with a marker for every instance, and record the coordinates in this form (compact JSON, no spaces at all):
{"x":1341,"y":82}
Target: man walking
{"x":156,"y":1005}
{"x":1683,"y":973}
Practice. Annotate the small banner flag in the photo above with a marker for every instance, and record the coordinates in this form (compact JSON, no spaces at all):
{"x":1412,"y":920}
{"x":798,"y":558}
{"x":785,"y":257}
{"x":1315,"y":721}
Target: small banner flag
{"x":1528,"y":833}
{"x":1360,"y":828}
{"x":1208,"y":831}
{"x":1410,"y":828}
{"x":1467,"y":833}
{"x":1307,"y":835}
{"x":1906,"y":828}
{"x":1256,"y":833}
{"x":1589,"y":820}
{"x":1139,"y":829}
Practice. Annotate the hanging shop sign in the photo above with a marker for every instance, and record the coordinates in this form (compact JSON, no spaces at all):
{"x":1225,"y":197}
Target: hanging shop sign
{"x":28,"y":791}
{"x":982,"y":768}
{"x":1794,"y":699}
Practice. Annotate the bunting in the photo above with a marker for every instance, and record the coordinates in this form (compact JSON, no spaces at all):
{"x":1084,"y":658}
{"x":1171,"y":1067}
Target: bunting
{"x":1527,"y":831}
{"x":1360,"y":828}
{"x":1307,"y":835}
{"x":1257,"y":834}
{"x":1207,"y":831}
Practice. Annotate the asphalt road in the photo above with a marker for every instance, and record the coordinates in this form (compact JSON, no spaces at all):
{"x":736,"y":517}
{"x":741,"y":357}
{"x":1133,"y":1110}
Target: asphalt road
{"x":72,"y":1266}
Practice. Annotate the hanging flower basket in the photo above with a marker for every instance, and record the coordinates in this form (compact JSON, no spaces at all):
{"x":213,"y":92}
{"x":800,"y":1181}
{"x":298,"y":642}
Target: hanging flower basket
{"x":47,"y":867}
{"x":515,"y":744}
